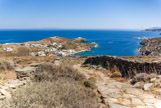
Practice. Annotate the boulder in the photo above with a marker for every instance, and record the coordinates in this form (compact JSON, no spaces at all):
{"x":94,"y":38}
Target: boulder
{"x":147,"y":86}
{"x":137,"y":101}
{"x":3,"y":92}
{"x":12,"y":86}
{"x":25,"y":72}
{"x":152,"y":80}
{"x":14,"y":82}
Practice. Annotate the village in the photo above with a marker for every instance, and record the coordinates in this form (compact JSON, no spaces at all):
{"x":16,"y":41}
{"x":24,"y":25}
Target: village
{"x":47,"y":47}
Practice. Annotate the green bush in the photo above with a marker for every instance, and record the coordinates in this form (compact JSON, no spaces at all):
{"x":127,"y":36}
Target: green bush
{"x":50,"y":45}
{"x":92,"y":79}
{"x":90,"y":84}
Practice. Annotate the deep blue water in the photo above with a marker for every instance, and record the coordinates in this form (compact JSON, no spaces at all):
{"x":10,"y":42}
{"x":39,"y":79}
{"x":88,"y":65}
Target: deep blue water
{"x":111,"y":42}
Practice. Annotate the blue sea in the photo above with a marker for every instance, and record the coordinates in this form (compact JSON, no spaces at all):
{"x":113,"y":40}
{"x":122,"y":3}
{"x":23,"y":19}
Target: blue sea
{"x":111,"y":42}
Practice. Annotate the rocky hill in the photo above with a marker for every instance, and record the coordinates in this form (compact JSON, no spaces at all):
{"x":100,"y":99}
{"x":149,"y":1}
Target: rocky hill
{"x":150,"y":47}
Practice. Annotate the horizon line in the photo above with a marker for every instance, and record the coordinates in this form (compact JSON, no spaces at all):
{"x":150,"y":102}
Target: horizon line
{"x":60,"y":29}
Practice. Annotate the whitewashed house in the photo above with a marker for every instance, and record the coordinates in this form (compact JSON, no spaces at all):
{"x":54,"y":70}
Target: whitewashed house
{"x":59,"y":46}
{"x":61,"y":53}
{"x":51,"y":49}
{"x":71,"y":51}
{"x":53,"y":43}
{"x":7,"y":49}
{"x":41,"y":53}
{"x":27,"y":45}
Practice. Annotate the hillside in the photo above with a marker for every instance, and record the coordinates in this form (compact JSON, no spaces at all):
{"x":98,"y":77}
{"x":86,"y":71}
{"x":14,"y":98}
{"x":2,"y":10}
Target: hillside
{"x":150,"y":47}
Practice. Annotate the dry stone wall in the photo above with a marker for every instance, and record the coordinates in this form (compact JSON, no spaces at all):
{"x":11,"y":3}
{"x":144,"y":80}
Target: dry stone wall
{"x":128,"y":68}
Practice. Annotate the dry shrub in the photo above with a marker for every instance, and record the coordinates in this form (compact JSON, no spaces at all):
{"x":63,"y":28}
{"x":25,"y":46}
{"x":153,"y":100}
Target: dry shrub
{"x":48,"y":72}
{"x":56,"y":87}
{"x":116,"y":74}
{"x":22,"y":51}
{"x":6,"y":65}
{"x":56,"y":94}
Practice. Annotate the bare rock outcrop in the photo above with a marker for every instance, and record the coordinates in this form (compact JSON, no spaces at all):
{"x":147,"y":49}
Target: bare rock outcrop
{"x":150,"y":47}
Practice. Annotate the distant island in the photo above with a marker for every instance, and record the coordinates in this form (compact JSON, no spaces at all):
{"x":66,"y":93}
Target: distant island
{"x":154,"y":29}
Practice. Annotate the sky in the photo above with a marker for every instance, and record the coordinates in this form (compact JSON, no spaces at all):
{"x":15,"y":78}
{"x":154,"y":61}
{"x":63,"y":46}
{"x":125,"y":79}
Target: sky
{"x":80,"y":14}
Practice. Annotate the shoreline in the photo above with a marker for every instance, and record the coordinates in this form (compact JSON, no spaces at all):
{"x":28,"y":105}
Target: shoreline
{"x":51,"y":46}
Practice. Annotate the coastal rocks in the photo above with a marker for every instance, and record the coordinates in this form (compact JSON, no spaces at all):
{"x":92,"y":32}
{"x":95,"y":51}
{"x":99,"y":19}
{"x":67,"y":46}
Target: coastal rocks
{"x":80,"y":39}
{"x":140,"y":38}
{"x":150,"y":47}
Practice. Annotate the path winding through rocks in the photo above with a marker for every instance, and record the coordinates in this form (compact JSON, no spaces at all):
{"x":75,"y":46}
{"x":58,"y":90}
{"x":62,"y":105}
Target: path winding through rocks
{"x":115,"y":94}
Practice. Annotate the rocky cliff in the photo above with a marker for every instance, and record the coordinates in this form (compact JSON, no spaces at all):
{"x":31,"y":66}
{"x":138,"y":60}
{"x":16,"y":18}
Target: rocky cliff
{"x":150,"y":47}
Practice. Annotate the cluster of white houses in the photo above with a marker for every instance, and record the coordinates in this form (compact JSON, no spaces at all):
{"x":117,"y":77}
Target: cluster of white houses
{"x":53,"y":47}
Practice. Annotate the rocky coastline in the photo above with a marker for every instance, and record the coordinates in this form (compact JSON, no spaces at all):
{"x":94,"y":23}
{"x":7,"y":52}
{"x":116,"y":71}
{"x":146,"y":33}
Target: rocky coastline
{"x":150,"y":47}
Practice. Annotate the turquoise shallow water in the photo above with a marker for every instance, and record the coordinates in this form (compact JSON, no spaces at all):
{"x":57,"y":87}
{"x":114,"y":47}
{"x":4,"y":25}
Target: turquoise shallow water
{"x":111,"y":42}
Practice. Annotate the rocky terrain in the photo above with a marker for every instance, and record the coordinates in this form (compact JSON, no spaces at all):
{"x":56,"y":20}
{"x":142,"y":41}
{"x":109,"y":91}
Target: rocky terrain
{"x":116,"y":93}
{"x":141,"y":90}
{"x":47,"y":76}
{"x":150,"y":47}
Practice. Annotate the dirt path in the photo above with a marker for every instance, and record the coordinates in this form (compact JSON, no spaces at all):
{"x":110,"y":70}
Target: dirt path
{"x":117,"y":94}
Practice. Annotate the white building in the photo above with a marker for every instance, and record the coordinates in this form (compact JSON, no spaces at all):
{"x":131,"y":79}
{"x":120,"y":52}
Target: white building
{"x":53,"y":43}
{"x":12,"y":44}
{"x":38,"y":45}
{"x":41,"y":53}
{"x":59,"y":46}
{"x":71,"y":51}
{"x":27,"y":45}
{"x":61,"y":53}
{"x":51,"y":49}
{"x":8,"y":49}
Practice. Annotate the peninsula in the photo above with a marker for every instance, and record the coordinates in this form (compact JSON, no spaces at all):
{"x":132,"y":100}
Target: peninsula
{"x":150,"y":47}
{"x":52,"y":46}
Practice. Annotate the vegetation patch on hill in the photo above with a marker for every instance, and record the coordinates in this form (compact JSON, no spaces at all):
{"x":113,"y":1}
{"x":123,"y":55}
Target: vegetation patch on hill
{"x":56,"y":87}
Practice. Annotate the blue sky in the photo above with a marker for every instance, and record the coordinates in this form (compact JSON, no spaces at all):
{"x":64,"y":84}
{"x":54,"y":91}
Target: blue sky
{"x":80,"y":14}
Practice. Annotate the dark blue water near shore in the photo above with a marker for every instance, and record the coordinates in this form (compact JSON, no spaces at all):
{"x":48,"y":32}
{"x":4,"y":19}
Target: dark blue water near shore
{"x":111,"y":42}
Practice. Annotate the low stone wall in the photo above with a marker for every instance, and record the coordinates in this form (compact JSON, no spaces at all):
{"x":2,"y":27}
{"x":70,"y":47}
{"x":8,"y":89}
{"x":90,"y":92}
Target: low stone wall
{"x":128,"y":68}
